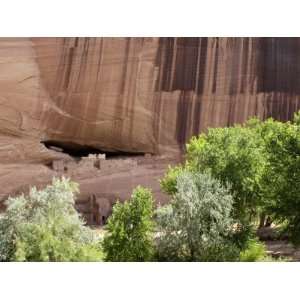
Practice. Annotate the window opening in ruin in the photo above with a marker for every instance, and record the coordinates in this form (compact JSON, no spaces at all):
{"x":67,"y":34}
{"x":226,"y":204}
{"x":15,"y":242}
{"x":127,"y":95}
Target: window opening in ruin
{"x":95,"y":219}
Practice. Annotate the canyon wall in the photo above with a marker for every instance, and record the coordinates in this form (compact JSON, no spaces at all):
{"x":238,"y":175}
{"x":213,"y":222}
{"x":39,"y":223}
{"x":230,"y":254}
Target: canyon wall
{"x":138,"y":94}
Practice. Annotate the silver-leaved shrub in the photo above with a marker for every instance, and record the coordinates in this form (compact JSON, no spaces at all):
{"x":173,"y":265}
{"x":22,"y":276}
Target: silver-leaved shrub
{"x":197,"y":225}
{"x":44,"y":226}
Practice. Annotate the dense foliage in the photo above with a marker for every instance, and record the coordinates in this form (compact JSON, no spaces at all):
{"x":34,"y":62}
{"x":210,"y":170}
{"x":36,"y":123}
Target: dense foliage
{"x":197,"y":224}
{"x":130,"y":229}
{"x":233,"y":155}
{"x":259,"y":160}
{"x":281,"y":180}
{"x":45,"y":226}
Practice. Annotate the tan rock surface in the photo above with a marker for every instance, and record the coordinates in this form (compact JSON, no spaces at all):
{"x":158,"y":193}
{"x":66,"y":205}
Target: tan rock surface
{"x":142,"y":94}
{"x":133,"y":94}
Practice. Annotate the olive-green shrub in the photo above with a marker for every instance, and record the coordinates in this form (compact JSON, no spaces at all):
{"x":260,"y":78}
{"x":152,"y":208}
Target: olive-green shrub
{"x":254,"y":252}
{"x":130,"y":228}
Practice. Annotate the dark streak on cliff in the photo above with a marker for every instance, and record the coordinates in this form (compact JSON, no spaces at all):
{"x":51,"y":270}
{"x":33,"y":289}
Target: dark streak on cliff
{"x":182,"y":118}
{"x":278,"y":72}
{"x":179,"y":68}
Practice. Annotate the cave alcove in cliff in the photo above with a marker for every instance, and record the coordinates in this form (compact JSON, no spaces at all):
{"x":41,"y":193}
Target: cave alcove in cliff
{"x":78,"y":151}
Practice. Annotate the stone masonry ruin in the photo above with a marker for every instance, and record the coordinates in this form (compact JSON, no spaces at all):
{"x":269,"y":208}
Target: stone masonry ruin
{"x":93,"y":162}
{"x":94,"y":208}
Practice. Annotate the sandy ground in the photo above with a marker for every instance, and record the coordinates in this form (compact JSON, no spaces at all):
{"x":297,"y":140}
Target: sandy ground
{"x":283,"y":249}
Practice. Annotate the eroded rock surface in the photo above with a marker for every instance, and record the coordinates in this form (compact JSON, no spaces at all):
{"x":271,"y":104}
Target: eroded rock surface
{"x":145,"y":95}
{"x":142,"y":94}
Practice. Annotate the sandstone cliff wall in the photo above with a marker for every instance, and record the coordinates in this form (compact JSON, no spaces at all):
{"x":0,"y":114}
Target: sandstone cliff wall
{"x":138,"y":94}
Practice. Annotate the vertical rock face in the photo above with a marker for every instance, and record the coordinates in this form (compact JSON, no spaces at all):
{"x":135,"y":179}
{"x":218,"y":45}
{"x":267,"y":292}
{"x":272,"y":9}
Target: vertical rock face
{"x":221,"y":81}
{"x":132,"y":95}
{"x":138,"y":94}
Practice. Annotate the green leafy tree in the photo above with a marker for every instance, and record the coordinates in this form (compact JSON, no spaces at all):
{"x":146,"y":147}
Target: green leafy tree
{"x":281,"y":179}
{"x":261,"y":163}
{"x":233,"y":155}
{"x":130,"y":229}
{"x":197,"y":224}
{"x":44,"y":226}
